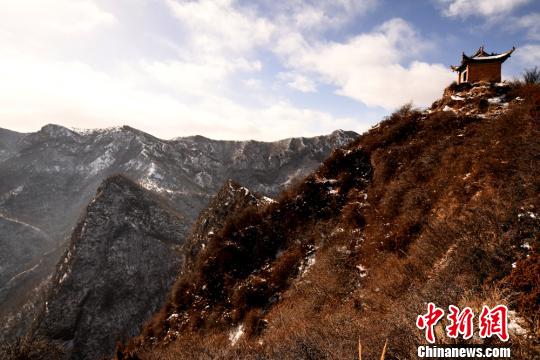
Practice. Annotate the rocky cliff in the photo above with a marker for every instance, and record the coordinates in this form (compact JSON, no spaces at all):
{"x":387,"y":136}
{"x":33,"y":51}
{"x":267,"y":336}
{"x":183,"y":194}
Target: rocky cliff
{"x":122,"y":258}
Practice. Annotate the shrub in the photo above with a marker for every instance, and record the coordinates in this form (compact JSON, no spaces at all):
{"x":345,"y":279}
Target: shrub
{"x":532,"y":76}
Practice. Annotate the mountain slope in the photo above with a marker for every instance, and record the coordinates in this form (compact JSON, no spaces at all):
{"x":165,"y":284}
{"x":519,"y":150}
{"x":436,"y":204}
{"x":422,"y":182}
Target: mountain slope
{"x":230,"y":201}
{"x":440,"y":205}
{"x":123,"y":256}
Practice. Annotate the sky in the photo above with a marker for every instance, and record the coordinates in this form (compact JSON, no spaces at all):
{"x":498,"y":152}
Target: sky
{"x":235,"y":69}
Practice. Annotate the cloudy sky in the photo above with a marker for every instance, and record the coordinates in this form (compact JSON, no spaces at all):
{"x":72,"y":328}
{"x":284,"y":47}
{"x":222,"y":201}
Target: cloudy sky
{"x":234,"y":69}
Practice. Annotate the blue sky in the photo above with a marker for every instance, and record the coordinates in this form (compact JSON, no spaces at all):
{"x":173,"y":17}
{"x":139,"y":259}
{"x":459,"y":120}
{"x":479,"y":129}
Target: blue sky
{"x":238,"y":69}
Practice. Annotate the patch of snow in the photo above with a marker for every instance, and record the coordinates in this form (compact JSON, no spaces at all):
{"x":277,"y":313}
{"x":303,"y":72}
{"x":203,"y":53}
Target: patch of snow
{"x":457,"y":98}
{"x":362,"y":269}
{"x":447,"y":108}
{"x":529,"y":214}
{"x":513,"y":265}
{"x":495,"y":100}
{"x":100,"y":163}
{"x":210,"y":232}
{"x":492,"y":57}
{"x":337,"y":230}
{"x":515,"y":324}
{"x":526,"y":245}
{"x":236,"y":334}
{"x":83,"y":132}
{"x":306,"y":265}
{"x":466,"y":176}
{"x":152,"y":172}
{"x":326,"y":181}
{"x":519,"y":98}
{"x":135,"y":164}
{"x":64,"y":277}
{"x":153,"y":186}
{"x":268,"y":200}
{"x":333,"y":191}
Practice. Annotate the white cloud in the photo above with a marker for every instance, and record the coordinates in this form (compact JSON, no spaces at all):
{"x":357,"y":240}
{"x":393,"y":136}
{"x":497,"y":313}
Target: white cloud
{"x":319,"y":15}
{"x":211,"y":79}
{"x":485,"y":8}
{"x":199,"y":78}
{"x":368,"y":67}
{"x":32,"y":25}
{"x":531,"y":23}
{"x":74,"y":94}
{"x":217,"y":26}
{"x":298,"y":82}
{"x":528,"y":55}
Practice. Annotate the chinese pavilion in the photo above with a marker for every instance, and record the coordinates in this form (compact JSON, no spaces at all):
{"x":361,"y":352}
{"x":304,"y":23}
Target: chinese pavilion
{"x":482,"y":66}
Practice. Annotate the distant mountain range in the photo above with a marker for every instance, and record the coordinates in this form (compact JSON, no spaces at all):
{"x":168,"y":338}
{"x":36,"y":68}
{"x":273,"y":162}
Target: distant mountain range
{"x":50,"y":176}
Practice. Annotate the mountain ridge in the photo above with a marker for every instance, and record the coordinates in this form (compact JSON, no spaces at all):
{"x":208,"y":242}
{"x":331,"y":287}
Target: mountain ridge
{"x":429,"y":206}
{"x":49,"y":177}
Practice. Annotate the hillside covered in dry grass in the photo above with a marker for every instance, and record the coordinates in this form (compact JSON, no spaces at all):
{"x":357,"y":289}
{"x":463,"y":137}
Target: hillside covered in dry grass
{"x":439,"y":205}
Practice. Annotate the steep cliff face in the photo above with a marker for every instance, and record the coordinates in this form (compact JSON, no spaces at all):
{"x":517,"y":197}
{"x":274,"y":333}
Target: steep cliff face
{"x":48,"y":178}
{"x":123,"y":256}
{"x":438,"y":205}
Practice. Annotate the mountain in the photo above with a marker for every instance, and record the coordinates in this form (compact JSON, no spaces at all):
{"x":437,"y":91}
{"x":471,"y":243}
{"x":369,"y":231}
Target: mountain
{"x":230,"y":201}
{"x":123,"y":256}
{"x":439,"y":206}
{"x":48,"y":178}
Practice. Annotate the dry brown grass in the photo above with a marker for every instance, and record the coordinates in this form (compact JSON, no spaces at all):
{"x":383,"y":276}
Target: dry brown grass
{"x":422,"y":208}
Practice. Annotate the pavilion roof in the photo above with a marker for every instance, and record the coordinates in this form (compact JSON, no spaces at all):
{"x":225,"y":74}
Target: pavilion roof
{"x":482,"y":56}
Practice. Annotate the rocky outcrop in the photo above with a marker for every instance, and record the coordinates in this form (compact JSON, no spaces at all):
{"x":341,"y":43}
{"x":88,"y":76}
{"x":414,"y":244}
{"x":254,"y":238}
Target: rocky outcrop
{"x":230,"y":201}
